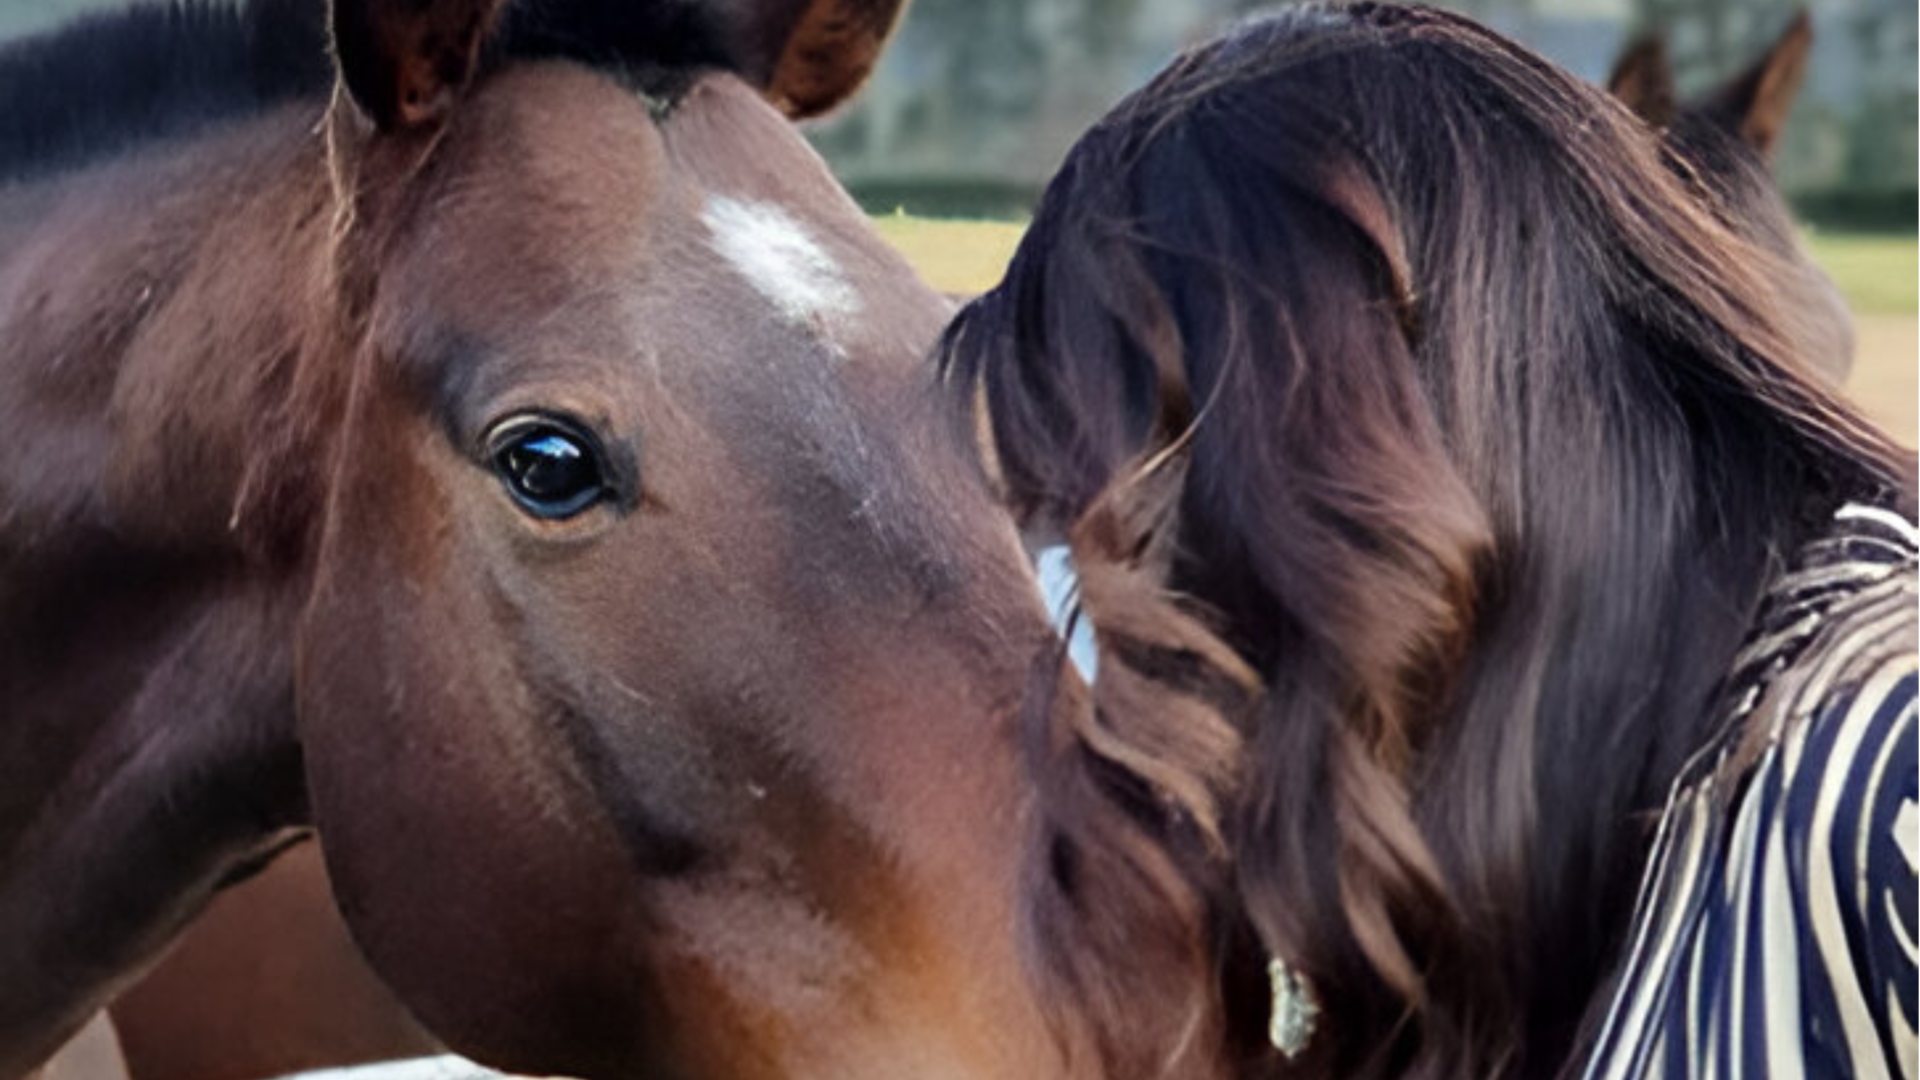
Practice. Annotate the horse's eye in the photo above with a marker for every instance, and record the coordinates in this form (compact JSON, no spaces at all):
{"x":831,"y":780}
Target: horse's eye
{"x":552,"y":469}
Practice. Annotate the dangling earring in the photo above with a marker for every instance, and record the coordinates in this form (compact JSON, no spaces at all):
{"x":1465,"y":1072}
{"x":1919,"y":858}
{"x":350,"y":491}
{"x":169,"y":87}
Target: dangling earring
{"x":1295,"y":1009}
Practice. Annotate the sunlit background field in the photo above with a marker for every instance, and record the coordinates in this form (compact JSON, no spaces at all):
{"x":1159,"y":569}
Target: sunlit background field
{"x":1879,"y":274}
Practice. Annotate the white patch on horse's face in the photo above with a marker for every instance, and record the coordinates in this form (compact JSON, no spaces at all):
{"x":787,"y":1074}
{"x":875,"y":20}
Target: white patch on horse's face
{"x":776,"y":254}
{"x":445,"y":1067}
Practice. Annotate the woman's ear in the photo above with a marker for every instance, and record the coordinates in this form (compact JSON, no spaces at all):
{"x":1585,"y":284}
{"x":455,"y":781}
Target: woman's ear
{"x":406,"y":62}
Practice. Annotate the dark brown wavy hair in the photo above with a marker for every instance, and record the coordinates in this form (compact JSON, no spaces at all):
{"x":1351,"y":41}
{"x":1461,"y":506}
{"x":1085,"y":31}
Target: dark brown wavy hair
{"x":1424,"y":445}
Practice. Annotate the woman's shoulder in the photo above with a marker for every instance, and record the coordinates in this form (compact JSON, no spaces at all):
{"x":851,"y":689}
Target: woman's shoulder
{"x":1833,"y":803}
{"x":1848,"y":784}
{"x":1839,"y":720}
{"x":1776,"y":923}
{"x":1848,"y":817}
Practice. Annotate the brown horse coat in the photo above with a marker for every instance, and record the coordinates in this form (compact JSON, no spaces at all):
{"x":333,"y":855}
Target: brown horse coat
{"x":709,"y":772}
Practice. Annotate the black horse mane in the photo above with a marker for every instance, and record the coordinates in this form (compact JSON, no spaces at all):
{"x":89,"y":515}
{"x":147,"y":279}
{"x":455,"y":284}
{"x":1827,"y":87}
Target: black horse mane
{"x":110,"y":81}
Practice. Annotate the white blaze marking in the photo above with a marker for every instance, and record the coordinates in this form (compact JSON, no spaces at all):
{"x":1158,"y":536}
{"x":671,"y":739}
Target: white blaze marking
{"x":445,"y":1067}
{"x":780,"y":259}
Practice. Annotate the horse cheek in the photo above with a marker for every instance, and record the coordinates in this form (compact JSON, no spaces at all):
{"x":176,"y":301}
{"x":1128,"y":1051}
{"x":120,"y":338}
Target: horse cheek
{"x":461,"y":858}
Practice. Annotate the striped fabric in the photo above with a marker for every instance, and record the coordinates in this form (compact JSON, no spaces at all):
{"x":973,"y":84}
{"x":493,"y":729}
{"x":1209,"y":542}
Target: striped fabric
{"x":1775,"y":930}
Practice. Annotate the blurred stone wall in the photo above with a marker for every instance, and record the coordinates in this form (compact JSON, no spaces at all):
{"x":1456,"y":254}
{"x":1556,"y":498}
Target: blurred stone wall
{"x":980,"y":98}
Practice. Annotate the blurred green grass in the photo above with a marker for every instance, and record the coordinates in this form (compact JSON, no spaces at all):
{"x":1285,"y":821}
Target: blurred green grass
{"x":959,"y":257}
{"x":1879,"y":275}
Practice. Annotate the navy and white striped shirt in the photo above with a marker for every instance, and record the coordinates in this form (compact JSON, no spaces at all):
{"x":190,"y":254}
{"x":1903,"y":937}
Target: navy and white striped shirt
{"x":1775,"y":930}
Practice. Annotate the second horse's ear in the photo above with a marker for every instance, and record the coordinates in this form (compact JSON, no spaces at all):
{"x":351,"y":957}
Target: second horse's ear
{"x":405,"y":62}
{"x":808,"y":56}
{"x":1755,"y":103}
{"x":1643,"y":81}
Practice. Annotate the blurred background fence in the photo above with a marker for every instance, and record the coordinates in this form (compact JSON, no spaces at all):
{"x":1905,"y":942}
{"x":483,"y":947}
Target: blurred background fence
{"x":980,"y":98}
{"x":977,"y":101}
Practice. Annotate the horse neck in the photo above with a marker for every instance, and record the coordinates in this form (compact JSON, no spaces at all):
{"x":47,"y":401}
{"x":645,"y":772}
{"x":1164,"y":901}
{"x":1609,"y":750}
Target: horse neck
{"x":155,"y":309}
{"x":153,"y":313}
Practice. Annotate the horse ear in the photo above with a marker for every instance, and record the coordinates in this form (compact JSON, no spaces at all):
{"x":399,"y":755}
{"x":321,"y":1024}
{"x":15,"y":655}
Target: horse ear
{"x":405,"y":61}
{"x":809,"y":55}
{"x":1755,"y":103}
{"x":1642,"y":79}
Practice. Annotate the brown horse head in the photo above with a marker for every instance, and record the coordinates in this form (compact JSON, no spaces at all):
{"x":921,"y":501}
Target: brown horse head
{"x":651,"y":649}
{"x":1723,"y":143}
{"x":656,"y":639}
